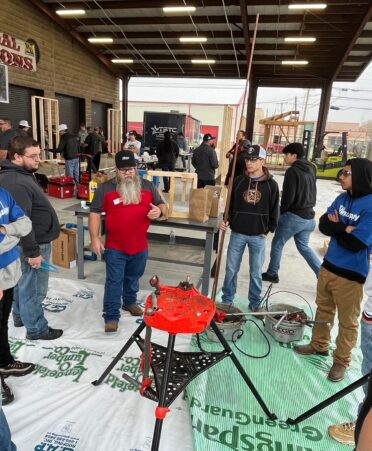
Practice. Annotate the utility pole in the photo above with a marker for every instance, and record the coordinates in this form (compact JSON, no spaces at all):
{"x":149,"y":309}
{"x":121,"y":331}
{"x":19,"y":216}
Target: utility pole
{"x":305,"y":105}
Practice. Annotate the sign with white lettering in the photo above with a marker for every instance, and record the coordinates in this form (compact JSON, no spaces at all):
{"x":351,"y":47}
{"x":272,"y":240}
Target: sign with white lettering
{"x":17,"y":53}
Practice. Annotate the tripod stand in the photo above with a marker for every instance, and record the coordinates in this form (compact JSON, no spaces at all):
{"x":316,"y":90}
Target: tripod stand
{"x":322,"y":405}
{"x":176,"y":310}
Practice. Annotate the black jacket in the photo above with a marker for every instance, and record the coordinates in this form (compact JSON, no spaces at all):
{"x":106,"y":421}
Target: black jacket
{"x":205,"y":162}
{"x":299,"y":190}
{"x":28,"y":194}
{"x":69,"y":146}
{"x":239,"y":169}
{"x":254,"y":205}
{"x":167,"y":154}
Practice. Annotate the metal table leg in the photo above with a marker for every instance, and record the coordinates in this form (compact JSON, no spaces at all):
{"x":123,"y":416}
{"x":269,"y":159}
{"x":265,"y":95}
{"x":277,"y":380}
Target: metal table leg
{"x":80,"y":246}
{"x":207,"y":262}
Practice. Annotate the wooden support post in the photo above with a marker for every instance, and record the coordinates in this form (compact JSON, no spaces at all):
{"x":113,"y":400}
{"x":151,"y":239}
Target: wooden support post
{"x":113,"y":130}
{"x":47,"y":110}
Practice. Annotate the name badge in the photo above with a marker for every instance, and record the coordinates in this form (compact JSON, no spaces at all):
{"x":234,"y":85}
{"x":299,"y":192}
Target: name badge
{"x":117,"y":201}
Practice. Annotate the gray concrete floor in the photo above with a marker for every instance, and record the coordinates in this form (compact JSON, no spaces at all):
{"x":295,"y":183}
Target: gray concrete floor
{"x":295,"y":275}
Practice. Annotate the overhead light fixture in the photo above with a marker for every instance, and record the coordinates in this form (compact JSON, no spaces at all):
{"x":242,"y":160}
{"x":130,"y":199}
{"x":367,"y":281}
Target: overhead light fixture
{"x":193,"y":39}
{"x":100,"y":40}
{"x":70,"y":12}
{"x":295,"y":62}
{"x":203,"y":61}
{"x":179,"y":9}
{"x":122,"y":61}
{"x":300,"y":39}
{"x":307,"y":6}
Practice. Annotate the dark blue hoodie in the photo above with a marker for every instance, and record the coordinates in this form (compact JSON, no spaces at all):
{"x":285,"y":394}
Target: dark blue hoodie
{"x":348,"y":253}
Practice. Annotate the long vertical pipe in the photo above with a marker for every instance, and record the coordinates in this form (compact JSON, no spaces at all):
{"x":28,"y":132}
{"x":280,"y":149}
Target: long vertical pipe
{"x":231,"y":180}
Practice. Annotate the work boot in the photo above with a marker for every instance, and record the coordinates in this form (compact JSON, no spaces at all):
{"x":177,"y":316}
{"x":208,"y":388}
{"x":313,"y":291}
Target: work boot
{"x":258,"y":310}
{"x":17,"y":368}
{"x":337,"y":372}
{"x":270,"y":278}
{"x":6,"y":393}
{"x":52,"y":334}
{"x":111,"y":326}
{"x":343,"y":433}
{"x":308,"y":350}
{"x":134,"y":310}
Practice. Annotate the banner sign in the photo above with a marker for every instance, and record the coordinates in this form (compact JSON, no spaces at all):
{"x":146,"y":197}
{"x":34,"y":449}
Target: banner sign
{"x":17,"y":53}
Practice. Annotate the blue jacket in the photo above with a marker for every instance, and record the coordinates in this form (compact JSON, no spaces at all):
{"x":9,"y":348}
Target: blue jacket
{"x":348,"y":253}
{"x":9,"y":212}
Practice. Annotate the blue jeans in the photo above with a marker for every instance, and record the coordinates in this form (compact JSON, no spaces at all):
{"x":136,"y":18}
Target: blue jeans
{"x":167,"y":167}
{"x":256,"y":247}
{"x":291,"y":225}
{"x":72,"y":169}
{"x":6,"y":443}
{"x":29,"y":295}
{"x":123,"y":272}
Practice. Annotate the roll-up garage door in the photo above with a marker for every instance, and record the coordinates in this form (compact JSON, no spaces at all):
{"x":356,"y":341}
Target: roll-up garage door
{"x":71,"y":111}
{"x":19,"y":106}
{"x":99,"y":115}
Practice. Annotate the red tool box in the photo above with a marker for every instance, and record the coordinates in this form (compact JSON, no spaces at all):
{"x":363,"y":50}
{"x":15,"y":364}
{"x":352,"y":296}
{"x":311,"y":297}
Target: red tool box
{"x":84,"y":177}
{"x":61,"y":187}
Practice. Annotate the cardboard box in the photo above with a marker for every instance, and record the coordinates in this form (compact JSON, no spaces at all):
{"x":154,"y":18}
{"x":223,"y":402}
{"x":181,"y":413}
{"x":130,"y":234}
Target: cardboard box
{"x":100,"y":177}
{"x":217,"y":200}
{"x":64,"y":248}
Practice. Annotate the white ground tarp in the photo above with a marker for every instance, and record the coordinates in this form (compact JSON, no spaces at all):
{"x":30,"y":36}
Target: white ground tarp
{"x":56,"y":408}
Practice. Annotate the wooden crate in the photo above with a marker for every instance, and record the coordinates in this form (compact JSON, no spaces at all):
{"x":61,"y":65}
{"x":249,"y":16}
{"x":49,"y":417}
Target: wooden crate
{"x":184,"y":177}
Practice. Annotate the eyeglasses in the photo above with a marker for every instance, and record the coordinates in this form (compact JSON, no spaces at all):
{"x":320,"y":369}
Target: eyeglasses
{"x":124,"y":170}
{"x":33,"y":157}
{"x":345,"y":173}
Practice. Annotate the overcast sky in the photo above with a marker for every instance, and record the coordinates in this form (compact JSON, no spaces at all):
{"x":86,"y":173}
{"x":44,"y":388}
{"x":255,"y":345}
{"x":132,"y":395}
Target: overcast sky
{"x":353,"y":99}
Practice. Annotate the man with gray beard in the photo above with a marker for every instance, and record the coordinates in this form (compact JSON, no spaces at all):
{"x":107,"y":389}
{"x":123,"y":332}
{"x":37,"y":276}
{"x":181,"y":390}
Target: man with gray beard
{"x":129,"y":203}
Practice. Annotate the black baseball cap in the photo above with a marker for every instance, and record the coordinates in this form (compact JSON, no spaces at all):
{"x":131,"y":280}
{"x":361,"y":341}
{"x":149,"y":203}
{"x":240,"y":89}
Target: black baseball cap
{"x":125,"y":159}
{"x":208,"y":137}
{"x":253,"y":152}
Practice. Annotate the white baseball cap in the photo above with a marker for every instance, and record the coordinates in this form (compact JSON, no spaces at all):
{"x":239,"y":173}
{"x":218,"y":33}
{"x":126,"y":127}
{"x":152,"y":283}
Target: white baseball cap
{"x":62,"y":127}
{"x":24,"y":124}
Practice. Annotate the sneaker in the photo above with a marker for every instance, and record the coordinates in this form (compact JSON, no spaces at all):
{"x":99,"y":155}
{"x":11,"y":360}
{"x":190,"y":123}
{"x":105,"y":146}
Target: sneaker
{"x":52,"y":334}
{"x":308,"y":350}
{"x":6,"y":393}
{"x":270,"y":278}
{"x":337,"y":372}
{"x":343,"y":433}
{"x":134,"y":310}
{"x":17,"y":369}
{"x":111,"y":326}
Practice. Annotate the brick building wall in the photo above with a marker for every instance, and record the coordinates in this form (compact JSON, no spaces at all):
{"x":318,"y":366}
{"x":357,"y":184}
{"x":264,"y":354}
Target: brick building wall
{"x":65,"y":67}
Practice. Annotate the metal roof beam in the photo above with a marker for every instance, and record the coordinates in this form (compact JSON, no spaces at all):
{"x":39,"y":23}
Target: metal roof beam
{"x":334,"y":6}
{"x":351,"y":46}
{"x":74,"y":34}
{"x":264,"y":19}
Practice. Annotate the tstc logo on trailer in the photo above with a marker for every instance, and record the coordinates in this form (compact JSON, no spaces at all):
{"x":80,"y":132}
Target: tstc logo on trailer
{"x":159,"y":132}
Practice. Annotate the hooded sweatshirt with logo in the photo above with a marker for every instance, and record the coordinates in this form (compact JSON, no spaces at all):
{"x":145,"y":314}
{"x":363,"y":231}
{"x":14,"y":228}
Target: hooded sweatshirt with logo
{"x":16,"y":224}
{"x":254,"y":204}
{"x":299,"y":190}
{"x":29,"y":195}
{"x":348,"y":253}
